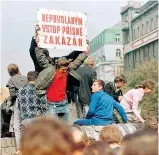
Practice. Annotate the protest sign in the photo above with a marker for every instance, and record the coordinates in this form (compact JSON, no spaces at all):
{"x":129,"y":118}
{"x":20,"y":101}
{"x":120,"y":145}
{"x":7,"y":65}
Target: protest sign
{"x":62,"y":29}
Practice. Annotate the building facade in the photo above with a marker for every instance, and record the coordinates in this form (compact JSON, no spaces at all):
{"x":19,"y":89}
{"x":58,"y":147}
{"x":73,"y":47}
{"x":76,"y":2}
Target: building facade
{"x":107,"y":51}
{"x":140,"y":33}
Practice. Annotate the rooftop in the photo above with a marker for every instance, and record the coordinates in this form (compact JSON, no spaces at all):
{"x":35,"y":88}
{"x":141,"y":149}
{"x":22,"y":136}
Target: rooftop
{"x":131,"y":4}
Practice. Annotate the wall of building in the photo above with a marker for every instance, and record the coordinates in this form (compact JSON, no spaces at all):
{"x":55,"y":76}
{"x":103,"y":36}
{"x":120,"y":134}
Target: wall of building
{"x":113,"y":52}
{"x":147,"y":22}
{"x":107,"y":51}
{"x":138,"y":56}
{"x":143,"y":42}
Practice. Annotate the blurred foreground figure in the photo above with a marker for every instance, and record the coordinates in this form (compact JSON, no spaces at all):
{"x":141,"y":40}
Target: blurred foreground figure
{"x":140,"y":143}
{"x":46,"y":136}
{"x":98,"y":148}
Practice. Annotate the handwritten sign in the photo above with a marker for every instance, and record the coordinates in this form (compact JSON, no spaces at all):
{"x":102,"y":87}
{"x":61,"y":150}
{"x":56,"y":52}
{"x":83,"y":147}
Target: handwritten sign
{"x":62,"y":29}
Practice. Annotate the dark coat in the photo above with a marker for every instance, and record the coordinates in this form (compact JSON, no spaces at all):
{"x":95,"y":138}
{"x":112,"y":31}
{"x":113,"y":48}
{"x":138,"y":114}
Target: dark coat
{"x":87,"y":77}
{"x":73,"y":55}
{"x":111,"y":90}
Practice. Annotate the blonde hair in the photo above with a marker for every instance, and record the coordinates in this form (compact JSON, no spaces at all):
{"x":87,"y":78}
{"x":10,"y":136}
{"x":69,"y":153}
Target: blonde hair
{"x":13,"y":69}
{"x":98,"y":148}
{"x":110,"y":134}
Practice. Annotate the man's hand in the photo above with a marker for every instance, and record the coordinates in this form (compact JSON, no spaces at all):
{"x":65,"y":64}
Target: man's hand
{"x":87,"y":51}
{"x":120,"y":98}
{"x":87,"y":41}
{"x":36,"y":37}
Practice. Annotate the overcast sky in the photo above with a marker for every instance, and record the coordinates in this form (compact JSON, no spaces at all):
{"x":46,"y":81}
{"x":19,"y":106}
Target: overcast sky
{"x":18,"y":19}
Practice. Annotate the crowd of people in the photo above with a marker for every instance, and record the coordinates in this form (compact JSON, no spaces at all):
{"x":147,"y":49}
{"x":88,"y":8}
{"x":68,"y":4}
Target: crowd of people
{"x":50,"y":88}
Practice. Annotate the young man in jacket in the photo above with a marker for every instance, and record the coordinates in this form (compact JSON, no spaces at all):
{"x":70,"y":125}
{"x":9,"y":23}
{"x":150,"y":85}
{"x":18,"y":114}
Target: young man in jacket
{"x":15,"y":82}
{"x":55,"y":79}
{"x":101,"y":108}
{"x":114,"y":89}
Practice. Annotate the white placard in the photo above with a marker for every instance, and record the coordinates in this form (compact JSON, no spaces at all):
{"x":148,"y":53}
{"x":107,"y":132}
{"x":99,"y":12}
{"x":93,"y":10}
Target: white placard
{"x":62,"y":29}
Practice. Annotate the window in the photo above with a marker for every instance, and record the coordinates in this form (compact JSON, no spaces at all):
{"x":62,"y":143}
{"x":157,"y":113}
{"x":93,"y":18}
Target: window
{"x":138,"y":32}
{"x":142,"y":29}
{"x":157,"y":21}
{"x":103,"y":58}
{"x":129,"y":60}
{"x":152,"y":24}
{"x":126,"y":17}
{"x":136,"y":13}
{"x":117,"y":37}
{"x":147,"y":27}
{"x":148,"y":52}
{"x":118,"y":53}
{"x":139,"y":56}
{"x":154,"y":50}
{"x":134,"y":35}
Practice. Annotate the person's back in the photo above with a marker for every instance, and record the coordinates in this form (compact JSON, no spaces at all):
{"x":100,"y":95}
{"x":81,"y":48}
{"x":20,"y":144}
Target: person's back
{"x":15,"y":82}
{"x":85,"y":84}
{"x":84,"y":95}
{"x":18,"y":80}
{"x":104,"y":107}
{"x":29,"y":104}
{"x":101,"y":107}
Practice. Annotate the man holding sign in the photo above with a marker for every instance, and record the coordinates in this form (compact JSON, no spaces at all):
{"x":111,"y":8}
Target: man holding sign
{"x":53,"y":81}
{"x":73,"y":55}
{"x":58,"y":76}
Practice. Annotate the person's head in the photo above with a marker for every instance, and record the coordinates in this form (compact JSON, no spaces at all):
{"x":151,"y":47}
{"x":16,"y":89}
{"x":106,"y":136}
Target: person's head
{"x":140,"y":143}
{"x":62,"y":64}
{"x":151,"y":123}
{"x":120,"y":81}
{"x":97,"y":85}
{"x":98,"y":148}
{"x":82,"y":138}
{"x":47,"y":136}
{"x":110,"y":134}
{"x":32,"y":76}
{"x":89,"y":62}
{"x":13,"y":69}
{"x":148,"y":86}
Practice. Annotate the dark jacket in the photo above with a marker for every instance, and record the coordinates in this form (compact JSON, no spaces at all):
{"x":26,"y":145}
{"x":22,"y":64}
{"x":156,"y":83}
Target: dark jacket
{"x":87,"y":77}
{"x":46,"y":76}
{"x":38,"y":68}
{"x":111,"y":90}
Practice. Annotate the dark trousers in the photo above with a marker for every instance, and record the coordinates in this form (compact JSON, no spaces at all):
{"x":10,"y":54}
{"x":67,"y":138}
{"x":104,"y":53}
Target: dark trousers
{"x":81,"y":108}
{"x":115,"y":119}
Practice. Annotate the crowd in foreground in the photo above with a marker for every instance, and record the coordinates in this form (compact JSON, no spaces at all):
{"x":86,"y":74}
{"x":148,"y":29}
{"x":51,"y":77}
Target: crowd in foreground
{"x":43,"y":92}
{"x":47,"y":136}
